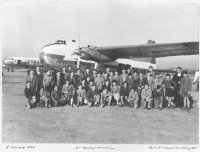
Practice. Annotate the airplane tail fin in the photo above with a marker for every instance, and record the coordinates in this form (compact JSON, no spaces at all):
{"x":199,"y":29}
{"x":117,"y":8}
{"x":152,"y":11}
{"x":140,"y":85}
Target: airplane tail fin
{"x":151,"y":42}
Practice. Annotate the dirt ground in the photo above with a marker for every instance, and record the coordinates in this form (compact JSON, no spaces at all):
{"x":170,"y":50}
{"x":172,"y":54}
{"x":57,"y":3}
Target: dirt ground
{"x":115,"y":125}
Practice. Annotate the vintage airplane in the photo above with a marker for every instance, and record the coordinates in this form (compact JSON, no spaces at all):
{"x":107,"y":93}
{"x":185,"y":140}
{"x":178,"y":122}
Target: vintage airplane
{"x":21,"y":62}
{"x":138,"y":56}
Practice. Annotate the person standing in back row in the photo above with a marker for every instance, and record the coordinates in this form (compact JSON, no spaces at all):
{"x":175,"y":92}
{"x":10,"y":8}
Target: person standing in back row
{"x":63,"y":76}
{"x":156,"y":81}
{"x":116,"y":78}
{"x":150,"y":80}
{"x":141,"y":81}
{"x":151,"y":71}
{"x":196,"y":79}
{"x":185,"y":90}
{"x":123,"y":77}
{"x":177,"y":79}
{"x":168,"y":86}
{"x":33,"y":80}
{"x":48,"y":81}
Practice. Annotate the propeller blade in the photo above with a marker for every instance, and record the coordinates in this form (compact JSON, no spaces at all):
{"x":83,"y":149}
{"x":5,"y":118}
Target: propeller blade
{"x":78,"y":51}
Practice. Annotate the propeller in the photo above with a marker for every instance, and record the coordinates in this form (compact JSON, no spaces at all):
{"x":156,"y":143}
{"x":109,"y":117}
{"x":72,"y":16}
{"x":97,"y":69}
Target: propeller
{"x":78,"y":52}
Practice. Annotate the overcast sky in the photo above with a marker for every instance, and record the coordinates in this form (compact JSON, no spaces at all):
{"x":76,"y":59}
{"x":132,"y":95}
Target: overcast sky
{"x":27,"y":27}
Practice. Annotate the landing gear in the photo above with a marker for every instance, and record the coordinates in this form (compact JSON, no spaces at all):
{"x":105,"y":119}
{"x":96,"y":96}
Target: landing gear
{"x":10,"y":69}
{"x":78,"y":61}
{"x":95,"y":65}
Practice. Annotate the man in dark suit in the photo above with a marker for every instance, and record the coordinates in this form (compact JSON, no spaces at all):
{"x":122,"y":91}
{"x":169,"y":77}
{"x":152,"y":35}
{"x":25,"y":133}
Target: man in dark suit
{"x":141,"y":81}
{"x":177,"y":79}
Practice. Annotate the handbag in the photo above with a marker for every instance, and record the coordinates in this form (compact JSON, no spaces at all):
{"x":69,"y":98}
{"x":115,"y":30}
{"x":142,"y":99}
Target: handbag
{"x":191,"y":100}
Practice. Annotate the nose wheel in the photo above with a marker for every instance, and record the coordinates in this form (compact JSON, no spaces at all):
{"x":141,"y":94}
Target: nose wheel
{"x":95,"y":65}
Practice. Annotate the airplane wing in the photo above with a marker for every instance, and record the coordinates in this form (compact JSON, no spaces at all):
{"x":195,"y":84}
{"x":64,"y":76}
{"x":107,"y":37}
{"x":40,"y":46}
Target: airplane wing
{"x":150,"y":50}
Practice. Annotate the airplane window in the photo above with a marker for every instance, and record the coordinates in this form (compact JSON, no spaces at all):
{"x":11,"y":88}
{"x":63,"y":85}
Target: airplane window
{"x":58,"y":41}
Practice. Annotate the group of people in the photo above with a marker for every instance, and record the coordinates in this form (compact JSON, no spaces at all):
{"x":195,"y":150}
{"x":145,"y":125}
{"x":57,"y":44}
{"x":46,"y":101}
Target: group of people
{"x":107,"y":88}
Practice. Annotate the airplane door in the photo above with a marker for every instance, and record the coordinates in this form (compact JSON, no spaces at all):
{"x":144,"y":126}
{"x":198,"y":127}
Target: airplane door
{"x":19,"y":62}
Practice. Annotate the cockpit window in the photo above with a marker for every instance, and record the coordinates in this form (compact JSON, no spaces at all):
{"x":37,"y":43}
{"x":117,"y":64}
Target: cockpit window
{"x":61,"y":42}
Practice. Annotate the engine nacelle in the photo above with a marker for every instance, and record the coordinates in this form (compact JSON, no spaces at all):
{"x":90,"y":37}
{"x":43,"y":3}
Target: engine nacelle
{"x":93,"y":55}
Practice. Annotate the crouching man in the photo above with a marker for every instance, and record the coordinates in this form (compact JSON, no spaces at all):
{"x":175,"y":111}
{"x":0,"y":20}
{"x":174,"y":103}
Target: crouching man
{"x":30,"y":95}
{"x":158,"y":95}
{"x":81,"y":96}
{"x":65,"y":98}
{"x":45,"y":98}
{"x":93,"y":96}
{"x":146,"y":97}
{"x":72,"y":94}
{"x":106,"y":96}
{"x":124,"y":92}
{"x":133,"y":98}
{"x":115,"y":90}
{"x":55,"y":96}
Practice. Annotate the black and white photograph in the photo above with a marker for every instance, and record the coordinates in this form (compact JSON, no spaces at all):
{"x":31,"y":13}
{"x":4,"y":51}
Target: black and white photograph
{"x":91,"y":73}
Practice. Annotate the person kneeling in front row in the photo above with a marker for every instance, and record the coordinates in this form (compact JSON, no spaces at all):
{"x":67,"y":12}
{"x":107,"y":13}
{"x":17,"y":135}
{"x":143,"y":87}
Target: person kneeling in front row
{"x":72,"y":94}
{"x":93,"y":96}
{"x":133,"y":98}
{"x":124,"y":92}
{"x":45,"y":98}
{"x":158,"y":95}
{"x":146,"y":97}
{"x":30,"y":95}
{"x":81,"y":96}
{"x":115,"y":90}
{"x":55,"y":96}
{"x":106,"y":96}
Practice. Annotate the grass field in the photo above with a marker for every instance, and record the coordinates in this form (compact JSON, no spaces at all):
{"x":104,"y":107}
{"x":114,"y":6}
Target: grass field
{"x":92,"y":125}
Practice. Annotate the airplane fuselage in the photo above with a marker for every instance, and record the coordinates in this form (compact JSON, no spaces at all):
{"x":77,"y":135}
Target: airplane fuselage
{"x":62,"y":54}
